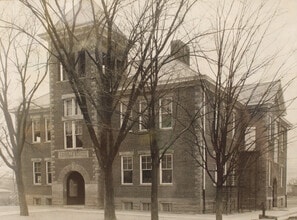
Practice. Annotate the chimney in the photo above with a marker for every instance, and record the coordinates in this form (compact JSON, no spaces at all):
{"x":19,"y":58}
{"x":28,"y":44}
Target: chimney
{"x":181,"y":51}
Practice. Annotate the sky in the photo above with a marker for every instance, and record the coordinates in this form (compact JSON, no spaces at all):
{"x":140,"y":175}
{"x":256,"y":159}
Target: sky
{"x":282,"y":36}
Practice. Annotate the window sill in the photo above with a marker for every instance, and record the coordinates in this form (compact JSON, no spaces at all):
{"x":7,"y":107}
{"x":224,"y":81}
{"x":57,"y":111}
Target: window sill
{"x":166,"y":184}
{"x":166,"y":128}
{"x":74,"y":148}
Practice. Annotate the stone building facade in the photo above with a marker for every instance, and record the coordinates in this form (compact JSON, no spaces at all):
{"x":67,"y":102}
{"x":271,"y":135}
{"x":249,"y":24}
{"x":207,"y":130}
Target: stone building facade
{"x":61,"y":167}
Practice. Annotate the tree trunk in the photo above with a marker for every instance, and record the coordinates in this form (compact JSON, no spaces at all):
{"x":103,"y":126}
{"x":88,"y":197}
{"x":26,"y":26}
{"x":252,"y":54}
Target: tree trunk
{"x":154,"y":189}
{"x":109,"y":207}
{"x":21,"y":190}
{"x":219,"y":203}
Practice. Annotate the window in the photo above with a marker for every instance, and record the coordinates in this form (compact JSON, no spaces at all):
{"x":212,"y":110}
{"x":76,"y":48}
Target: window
{"x":127,"y":170}
{"x":47,"y":129}
{"x":146,"y":169}
{"x":48,"y":172}
{"x":166,"y":207}
{"x":270,"y":127}
{"x":269,"y":173}
{"x":282,"y":139}
{"x":81,"y":60}
{"x":128,"y":205}
{"x":166,"y":113}
{"x":73,"y":134}
{"x":36,"y":201}
{"x":123,"y":110}
{"x":276,"y":141}
{"x":48,"y":201}
{"x":250,"y":139}
{"x":146,"y":206}
{"x":166,"y":169}
{"x":37,"y":172}
{"x":36,"y":131}
{"x":233,"y":177}
{"x":281,"y":176}
{"x":62,"y":72}
{"x":143,"y":118}
{"x":71,"y":107}
{"x":233,"y":123}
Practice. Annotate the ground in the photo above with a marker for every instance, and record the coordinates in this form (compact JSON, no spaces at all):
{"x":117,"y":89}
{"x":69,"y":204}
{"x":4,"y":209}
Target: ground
{"x":78,"y":213}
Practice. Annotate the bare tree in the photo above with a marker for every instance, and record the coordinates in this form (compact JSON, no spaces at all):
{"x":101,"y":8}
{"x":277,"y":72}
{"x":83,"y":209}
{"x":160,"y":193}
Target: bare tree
{"x":16,"y":63}
{"x":234,"y":98}
{"x":122,"y":61}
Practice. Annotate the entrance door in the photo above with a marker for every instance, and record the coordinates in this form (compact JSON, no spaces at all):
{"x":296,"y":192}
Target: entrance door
{"x":75,"y":189}
{"x":274,"y":193}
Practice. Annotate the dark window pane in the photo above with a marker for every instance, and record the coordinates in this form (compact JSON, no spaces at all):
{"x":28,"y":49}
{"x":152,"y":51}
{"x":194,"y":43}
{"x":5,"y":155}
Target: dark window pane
{"x":127,"y":176}
{"x":167,"y":176}
{"x":146,"y":176}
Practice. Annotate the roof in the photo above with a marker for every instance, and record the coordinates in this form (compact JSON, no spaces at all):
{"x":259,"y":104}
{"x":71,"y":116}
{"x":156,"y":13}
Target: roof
{"x":83,"y":14}
{"x":263,"y":93}
{"x":41,"y":102}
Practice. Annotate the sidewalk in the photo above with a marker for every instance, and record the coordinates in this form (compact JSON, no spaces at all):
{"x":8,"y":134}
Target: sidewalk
{"x":73,"y":213}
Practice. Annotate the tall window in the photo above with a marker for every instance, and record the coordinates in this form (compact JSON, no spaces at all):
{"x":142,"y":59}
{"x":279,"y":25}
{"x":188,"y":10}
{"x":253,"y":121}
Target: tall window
{"x":233,"y":123}
{"x":48,"y":172}
{"x":269,"y":173}
{"x":47,"y":129}
{"x":62,"y":72}
{"x":146,"y":169}
{"x":37,"y":172}
{"x":276,"y":141}
{"x":282,"y":176}
{"x":166,"y":169}
{"x":36,"y":131}
{"x":127,"y":170}
{"x":166,"y":113}
{"x":81,"y":63}
{"x":71,"y":107}
{"x":270,"y":127}
{"x":123,"y":110}
{"x":143,"y":115}
{"x":72,"y":126}
{"x":73,"y":134}
{"x":250,"y":139}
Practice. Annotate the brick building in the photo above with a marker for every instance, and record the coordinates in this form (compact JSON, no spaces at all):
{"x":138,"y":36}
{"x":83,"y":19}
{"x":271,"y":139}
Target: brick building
{"x":61,"y":167}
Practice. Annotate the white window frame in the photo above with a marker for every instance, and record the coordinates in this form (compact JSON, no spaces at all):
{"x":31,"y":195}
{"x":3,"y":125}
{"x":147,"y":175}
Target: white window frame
{"x":233,"y":123}
{"x":281,"y":176}
{"x":250,"y":138}
{"x":270,"y":126}
{"x":141,"y":169}
{"x":49,"y":172}
{"x":123,"y":109}
{"x":36,"y":173}
{"x":142,"y":112}
{"x":73,"y":133}
{"x":33,"y":130}
{"x":123,"y":169}
{"x":166,"y":113}
{"x":62,"y":73}
{"x":269,"y":172}
{"x":276,"y":141}
{"x":47,"y":125}
{"x":167,"y":169}
{"x":74,"y":107}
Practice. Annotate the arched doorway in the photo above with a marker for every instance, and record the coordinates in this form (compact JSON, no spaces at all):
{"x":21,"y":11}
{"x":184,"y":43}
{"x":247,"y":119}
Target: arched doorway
{"x":274,"y":193}
{"x":75,"y":189}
